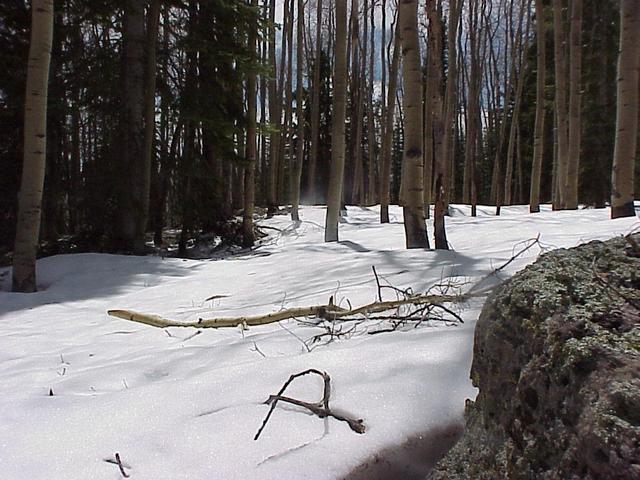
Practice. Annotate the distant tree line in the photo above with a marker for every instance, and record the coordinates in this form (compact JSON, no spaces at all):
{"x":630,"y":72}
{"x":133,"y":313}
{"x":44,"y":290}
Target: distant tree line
{"x":190,"y":113}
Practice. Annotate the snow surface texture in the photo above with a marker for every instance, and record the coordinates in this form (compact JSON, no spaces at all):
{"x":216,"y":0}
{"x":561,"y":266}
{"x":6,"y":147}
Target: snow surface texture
{"x":179,"y":406}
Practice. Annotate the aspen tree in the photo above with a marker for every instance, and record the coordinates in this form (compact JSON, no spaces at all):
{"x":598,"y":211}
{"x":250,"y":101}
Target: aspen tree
{"x":334,"y":195}
{"x":35,"y":142}
{"x":412,"y":160}
{"x":625,"y":150}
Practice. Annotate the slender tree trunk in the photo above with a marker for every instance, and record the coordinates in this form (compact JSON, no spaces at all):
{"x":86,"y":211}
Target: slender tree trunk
{"x":35,"y":141}
{"x":625,"y":151}
{"x":538,"y":135}
{"x":130,"y":232}
{"x":473,"y":109}
{"x":561,"y":103}
{"x":296,"y":171}
{"x":287,"y":131}
{"x":275,"y":104}
{"x":150,"y":102}
{"x":334,"y":195}
{"x":434,"y":14}
{"x":371,"y":131}
{"x":359,"y":82}
{"x":515,"y":117}
{"x":455,"y":7}
{"x":248,"y":237}
{"x":387,"y":140}
{"x":575,"y":122}
{"x":413,"y":161}
{"x":315,"y":110}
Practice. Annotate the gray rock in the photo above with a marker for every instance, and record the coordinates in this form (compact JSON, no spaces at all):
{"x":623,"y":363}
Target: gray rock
{"x":557,"y":365}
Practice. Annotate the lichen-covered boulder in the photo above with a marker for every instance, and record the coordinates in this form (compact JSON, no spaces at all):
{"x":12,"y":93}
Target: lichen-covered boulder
{"x":557,"y":365}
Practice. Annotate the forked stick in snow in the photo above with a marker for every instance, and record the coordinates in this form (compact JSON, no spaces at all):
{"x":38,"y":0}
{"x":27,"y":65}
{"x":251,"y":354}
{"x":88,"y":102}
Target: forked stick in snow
{"x":321,"y":408}
{"x":118,"y":462}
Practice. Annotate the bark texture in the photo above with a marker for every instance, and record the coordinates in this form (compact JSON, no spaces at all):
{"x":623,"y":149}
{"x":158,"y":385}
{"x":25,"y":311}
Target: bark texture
{"x":35,"y":142}
{"x":626,"y":142}
{"x":538,"y":135}
{"x":413,"y":160}
{"x":575,"y":96}
{"x":334,"y":195}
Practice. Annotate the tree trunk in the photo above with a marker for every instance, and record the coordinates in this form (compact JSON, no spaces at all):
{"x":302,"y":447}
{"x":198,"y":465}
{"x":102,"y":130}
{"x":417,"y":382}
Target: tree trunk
{"x":315,"y":110}
{"x":434,"y":14}
{"x":473,"y":109}
{"x":371,"y":131}
{"x":248,"y":237}
{"x":150,"y":102}
{"x":622,"y":195}
{"x":287,"y":132}
{"x":35,"y":141}
{"x":334,"y":195}
{"x":275,"y":104}
{"x":561,"y":104}
{"x":387,"y":140}
{"x":538,"y":135}
{"x":575,"y":123}
{"x":515,"y":117}
{"x":455,"y":7}
{"x":296,"y":171}
{"x":413,"y":161}
{"x":130,"y":231}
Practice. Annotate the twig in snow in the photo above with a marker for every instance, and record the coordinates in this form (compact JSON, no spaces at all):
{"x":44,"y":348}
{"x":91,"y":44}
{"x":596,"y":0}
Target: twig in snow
{"x":373,"y":267}
{"x":321,"y":408}
{"x":528,"y":245}
{"x":296,"y":337}
{"x":124,"y":474}
{"x":256,"y":349}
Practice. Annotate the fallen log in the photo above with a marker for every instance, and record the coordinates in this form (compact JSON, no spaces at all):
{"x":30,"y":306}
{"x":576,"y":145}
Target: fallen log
{"x":327,"y":312}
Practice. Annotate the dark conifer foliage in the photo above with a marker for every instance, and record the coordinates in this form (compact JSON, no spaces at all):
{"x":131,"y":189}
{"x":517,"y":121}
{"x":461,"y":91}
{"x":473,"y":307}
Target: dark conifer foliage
{"x":479,"y":81}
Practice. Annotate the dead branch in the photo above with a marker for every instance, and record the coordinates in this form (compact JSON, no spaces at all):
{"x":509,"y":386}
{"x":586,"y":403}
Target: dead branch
{"x":327,"y":312}
{"x":321,"y":408}
{"x":124,"y":474}
{"x":331,"y":311}
{"x":476,"y":291}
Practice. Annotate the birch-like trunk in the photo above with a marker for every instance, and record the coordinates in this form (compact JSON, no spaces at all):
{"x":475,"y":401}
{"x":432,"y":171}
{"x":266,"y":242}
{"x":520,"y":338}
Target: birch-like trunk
{"x":35,"y":142}
{"x":434,"y":14}
{"x":622,"y":195}
{"x":412,"y":161}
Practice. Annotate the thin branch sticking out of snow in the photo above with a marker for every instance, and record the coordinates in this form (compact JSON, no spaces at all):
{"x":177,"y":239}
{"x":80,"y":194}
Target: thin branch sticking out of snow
{"x":321,"y":408}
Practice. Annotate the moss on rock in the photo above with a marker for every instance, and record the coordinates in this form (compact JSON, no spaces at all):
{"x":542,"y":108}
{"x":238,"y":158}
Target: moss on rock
{"x":557,"y":365}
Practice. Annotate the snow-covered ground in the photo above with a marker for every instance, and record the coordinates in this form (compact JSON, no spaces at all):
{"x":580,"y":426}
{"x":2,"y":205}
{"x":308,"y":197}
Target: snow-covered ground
{"x":179,"y":406}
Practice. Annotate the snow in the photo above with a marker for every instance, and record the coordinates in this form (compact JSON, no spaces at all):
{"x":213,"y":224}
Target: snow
{"x":179,"y":406}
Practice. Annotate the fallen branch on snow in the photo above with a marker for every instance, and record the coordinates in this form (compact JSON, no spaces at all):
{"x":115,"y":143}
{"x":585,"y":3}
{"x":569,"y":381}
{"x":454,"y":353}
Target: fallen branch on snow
{"x":321,"y":408}
{"x":326,"y":312}
{"x":331,"y":311}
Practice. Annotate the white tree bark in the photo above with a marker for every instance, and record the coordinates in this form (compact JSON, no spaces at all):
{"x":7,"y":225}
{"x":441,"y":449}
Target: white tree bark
{"x":35,"y":142}
{"x":622,"y":195}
